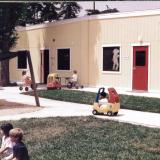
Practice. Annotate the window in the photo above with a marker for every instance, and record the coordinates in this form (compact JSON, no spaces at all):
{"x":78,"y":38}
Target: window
{"x":111,"y":56}
{"x":63,"y":57}
{"x":140,"y":58}
{"x":22,"y":60}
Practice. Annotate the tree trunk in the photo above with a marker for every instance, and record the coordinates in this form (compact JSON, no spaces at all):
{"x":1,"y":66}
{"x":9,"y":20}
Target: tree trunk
{"x":4,"y":72}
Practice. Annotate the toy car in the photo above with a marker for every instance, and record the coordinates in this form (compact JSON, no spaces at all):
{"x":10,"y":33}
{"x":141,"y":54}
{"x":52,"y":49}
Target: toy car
{"x":113,"y":105}
{"x":26,"y":84}
{"x":53,"y":81}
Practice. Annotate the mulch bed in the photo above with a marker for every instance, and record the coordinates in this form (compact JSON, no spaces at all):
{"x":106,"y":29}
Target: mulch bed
{"x":7,"y":105}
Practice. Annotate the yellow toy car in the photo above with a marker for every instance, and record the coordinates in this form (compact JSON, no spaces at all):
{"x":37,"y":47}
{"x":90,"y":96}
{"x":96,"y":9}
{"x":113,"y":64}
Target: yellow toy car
{"x":53,"y":81}
{"x":111,"y":108}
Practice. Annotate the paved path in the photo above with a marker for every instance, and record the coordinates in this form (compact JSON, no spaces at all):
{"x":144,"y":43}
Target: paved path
{"x":52,"y":108}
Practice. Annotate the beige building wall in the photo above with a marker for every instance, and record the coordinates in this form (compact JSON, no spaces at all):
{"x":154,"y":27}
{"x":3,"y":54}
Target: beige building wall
{"x":73,"y":36}
{"x":22,"y":44}
{"x":124,"y":32}
{"x":86,"y":38}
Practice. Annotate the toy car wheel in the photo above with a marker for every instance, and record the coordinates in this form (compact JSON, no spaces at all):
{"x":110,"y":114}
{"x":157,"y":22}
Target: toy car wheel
{"x":76,"y":87}
{"x":20,"y":88}
{"x":109,"y":113}
{"x":94,"y":112}
{"x":82,"y":86}
{"x":26,"y":88}
{"x":115,"y":113}
{"x":69,"y":86}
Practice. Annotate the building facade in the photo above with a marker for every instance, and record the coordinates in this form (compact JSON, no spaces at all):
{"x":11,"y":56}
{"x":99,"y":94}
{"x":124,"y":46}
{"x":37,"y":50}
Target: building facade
{"x":118,"y":49}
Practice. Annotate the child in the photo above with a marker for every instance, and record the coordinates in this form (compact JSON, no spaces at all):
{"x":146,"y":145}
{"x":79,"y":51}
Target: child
{"x":6,"y":150}
{"x":20,"y":151}
{"x":74,"y":78}
{"x":103,"y":101}
{"x":26,"y":79}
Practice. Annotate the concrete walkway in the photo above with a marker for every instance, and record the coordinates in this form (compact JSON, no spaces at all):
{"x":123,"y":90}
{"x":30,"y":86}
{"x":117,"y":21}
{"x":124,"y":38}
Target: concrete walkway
{"x":52,"y":108}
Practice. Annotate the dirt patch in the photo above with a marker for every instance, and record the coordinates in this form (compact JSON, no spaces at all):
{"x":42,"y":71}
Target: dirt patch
{"x":11,"y":108}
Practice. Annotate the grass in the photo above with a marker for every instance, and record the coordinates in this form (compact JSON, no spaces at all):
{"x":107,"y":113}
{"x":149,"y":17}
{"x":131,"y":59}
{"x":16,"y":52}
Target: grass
{"x":127,"y":102}
{"x":88,"y":138}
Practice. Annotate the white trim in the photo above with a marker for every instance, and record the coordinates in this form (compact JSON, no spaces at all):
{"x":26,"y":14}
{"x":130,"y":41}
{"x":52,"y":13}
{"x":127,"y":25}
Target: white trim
{"x":120,"y":59}
{"x":149,"y":65}
{"x":139,"y":45}
{"x":57,"y":70}
{"x":93,"y":17}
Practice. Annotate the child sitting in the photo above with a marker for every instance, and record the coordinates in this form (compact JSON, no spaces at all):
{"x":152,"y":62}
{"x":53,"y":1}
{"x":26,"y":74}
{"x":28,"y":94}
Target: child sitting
{"x":20,"y":151}
{"x":6,"y":150}
{"x":26,"y":79}
{"x":103,"y":100}
{"x":73,"y":80}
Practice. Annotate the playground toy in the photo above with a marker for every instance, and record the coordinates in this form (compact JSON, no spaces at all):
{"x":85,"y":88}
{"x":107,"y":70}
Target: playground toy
{"x":72,"y":84}
{"x":53,"y":81}
{"x":113,"y":105}
{"x":26,"y":84}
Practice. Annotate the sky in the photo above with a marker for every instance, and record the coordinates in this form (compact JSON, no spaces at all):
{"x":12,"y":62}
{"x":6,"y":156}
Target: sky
{"x":122,"y":6}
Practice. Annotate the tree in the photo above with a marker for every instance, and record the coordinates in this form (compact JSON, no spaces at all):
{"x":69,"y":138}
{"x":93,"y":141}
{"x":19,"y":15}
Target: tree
{"x":31,"y":14}
{"x":9,"y":15}
{"x":39,"y":12}
{"x":109,"y":10}
{"x":92,"y":11}
{"x":69,"y":10}
{"x":50,"y":11}
{"x":95,"y":11}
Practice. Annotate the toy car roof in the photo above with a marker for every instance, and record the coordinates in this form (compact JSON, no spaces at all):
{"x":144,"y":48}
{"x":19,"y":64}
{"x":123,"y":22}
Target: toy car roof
{"x":53,"y":75}
{"x":113,"y":96}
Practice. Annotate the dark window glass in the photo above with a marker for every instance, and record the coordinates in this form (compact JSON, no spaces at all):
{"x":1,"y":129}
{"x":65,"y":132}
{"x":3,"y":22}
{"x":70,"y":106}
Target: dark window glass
{"x":140,"y":58}
{"x":111,"y":58}
{"x":63,"y":59}
{"x":22,"y":60}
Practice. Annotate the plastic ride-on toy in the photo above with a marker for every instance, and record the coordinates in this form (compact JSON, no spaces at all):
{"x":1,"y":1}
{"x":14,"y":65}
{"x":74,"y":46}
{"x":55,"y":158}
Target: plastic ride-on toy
{"x":113,"y":106}
{"x":53,"y":81}
{"x":74,"y":85}
{"x":26,"y":84}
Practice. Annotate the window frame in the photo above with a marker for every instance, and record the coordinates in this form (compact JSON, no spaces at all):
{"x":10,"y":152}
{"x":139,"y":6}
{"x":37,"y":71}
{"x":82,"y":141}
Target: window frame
{"x":120,"y":59}
{"x":57,"y":58}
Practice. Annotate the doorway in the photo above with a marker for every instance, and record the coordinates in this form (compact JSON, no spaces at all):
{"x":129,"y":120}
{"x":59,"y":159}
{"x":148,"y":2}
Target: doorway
{"x":140,"y":68}
{"x":44,"y":65}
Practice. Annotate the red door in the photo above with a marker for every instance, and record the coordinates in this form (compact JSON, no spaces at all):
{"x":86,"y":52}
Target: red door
{"x":140,"y":68}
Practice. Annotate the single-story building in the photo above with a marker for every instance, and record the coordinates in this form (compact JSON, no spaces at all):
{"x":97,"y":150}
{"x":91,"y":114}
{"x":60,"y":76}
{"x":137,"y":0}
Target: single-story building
{"x":118,"y":49}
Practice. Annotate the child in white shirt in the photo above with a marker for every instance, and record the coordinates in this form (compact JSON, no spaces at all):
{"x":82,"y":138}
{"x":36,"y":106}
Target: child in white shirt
{"x":74,"y":79}
{"x":6,"y":150}
{"x":74,"y":76}
{"x":103,"y":101}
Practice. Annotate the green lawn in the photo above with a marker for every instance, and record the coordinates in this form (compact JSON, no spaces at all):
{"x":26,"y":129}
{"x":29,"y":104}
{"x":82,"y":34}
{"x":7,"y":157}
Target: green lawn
{"x":88,"y":138}
{"x":127,"y":102}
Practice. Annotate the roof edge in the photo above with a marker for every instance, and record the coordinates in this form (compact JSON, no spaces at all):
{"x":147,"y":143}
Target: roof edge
{"x":93,"y":17}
